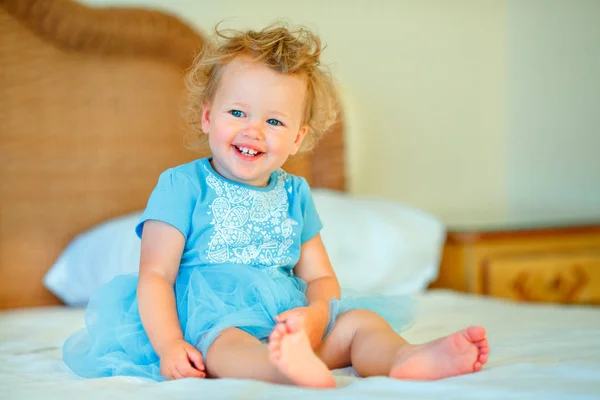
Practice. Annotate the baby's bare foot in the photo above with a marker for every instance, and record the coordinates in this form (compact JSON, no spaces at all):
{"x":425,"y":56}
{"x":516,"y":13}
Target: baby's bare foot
{"x":463,"y":352}
{"x":291,"y":353}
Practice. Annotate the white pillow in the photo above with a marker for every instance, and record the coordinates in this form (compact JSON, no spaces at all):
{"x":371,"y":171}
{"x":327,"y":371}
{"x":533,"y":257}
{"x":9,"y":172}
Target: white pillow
{"x":375,"y":246}
{"x":94,"y":258}
{"x":378,"y":246}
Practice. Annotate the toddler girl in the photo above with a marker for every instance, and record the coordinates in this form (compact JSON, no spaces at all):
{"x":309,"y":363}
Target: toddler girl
{"x":234,"y":280}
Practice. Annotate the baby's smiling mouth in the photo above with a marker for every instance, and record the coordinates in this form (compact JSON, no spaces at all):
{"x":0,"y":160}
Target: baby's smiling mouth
{"x":246,"y":151}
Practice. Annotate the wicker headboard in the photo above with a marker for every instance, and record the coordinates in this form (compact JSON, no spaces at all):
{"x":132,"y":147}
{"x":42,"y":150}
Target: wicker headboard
{"x":90,"y":103}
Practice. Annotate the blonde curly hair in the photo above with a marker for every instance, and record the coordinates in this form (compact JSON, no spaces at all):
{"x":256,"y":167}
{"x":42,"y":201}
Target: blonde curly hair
{"x":288,"y":51}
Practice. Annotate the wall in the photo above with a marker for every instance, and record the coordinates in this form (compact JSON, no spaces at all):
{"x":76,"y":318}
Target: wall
{"x":443,"y":99}
{"x":554,"y":109}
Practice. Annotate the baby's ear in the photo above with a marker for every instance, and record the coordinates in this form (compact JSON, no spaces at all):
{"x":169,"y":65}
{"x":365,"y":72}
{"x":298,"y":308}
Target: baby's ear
{"x":206,"y":117}
{"x":299,"y":139}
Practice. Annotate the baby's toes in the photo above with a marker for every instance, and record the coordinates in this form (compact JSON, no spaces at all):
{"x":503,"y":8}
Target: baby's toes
{"x":482,"y":344}
{"x":274,"y":336}
{"x":482,"y":358}
{"x":275,"y":354}
{"x":281,"y":328}
{"x":274,"y":344}
{"x":274,"y":349}
{"x":476,"y":333}
{"x":277,"y":333}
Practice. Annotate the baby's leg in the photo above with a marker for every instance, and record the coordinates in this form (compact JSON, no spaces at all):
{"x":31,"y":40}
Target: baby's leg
{"x":236,"y":354}
{"x":365,"y":340}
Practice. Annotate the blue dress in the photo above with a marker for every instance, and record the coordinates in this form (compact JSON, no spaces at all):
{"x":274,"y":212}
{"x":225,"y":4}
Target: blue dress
{"x":236,"y":270}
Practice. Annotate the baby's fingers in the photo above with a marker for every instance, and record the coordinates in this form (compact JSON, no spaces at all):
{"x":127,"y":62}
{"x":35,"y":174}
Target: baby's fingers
{"x":195,"y":357}
{"x":168,"y":371}
{"x":284,"y":316}
{"x":174,"y":373}
{"x":186,"y":370}
{"x":191,"y":372}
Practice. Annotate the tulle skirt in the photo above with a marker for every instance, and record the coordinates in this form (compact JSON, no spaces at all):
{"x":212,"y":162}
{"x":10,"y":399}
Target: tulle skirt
{"x":209,"y":300}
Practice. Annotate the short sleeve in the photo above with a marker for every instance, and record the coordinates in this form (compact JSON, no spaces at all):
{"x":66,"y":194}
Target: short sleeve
{"x":310,"y":217}
{"x":172,"y":201}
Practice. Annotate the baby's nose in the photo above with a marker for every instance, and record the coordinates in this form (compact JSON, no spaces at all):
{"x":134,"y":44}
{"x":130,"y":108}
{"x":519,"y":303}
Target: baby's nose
{"x":254,"y":131}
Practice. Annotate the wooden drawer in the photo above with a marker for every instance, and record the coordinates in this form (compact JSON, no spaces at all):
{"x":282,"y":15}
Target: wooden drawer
{"x":550,"y":265}
{"x":558,"y":277}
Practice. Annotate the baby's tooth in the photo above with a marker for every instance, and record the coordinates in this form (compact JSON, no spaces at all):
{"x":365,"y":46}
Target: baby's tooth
{"x":248,"y":151}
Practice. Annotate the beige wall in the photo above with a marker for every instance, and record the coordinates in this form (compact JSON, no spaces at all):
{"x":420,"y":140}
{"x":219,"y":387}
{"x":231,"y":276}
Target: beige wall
{"x":554,"y":135}
{"x":426,"y":87}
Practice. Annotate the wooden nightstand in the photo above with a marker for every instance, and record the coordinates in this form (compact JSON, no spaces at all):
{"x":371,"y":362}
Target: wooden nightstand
{"x":559,"y":265}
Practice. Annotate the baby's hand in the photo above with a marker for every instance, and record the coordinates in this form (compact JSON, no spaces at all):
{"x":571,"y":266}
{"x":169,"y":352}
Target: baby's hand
{"x":315,"y":321}
{"x":182,"y":360}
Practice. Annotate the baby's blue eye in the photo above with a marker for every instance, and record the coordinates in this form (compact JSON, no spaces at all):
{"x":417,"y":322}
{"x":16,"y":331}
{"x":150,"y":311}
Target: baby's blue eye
{"x":274,"y":122}
{"x":237,"y":113}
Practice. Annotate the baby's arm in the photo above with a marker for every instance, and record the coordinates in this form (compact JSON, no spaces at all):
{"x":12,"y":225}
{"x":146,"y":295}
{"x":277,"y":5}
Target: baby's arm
{"x":162,"y":247}
{"x":315,"y":268}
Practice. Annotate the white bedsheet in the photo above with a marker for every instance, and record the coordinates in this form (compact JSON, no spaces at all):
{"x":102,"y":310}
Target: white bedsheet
{"x":538,"y":352}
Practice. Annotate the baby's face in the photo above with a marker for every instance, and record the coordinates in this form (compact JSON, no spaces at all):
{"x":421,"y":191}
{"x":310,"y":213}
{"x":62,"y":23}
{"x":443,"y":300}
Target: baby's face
{"x":254,"y":121}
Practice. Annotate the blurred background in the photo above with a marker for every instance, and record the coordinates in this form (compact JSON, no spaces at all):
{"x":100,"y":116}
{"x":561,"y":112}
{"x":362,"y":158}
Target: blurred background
{"x":481,"y":112}
{"x":478,"y":119}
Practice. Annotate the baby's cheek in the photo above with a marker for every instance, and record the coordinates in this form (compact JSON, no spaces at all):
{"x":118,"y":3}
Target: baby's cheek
{"x":284,"y":142}
{"x":231,"y":125}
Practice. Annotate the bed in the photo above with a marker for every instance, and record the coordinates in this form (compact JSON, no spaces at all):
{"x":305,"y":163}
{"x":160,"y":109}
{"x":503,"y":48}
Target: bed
{"x":538,"y":352}
{"x":90,"y":104}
